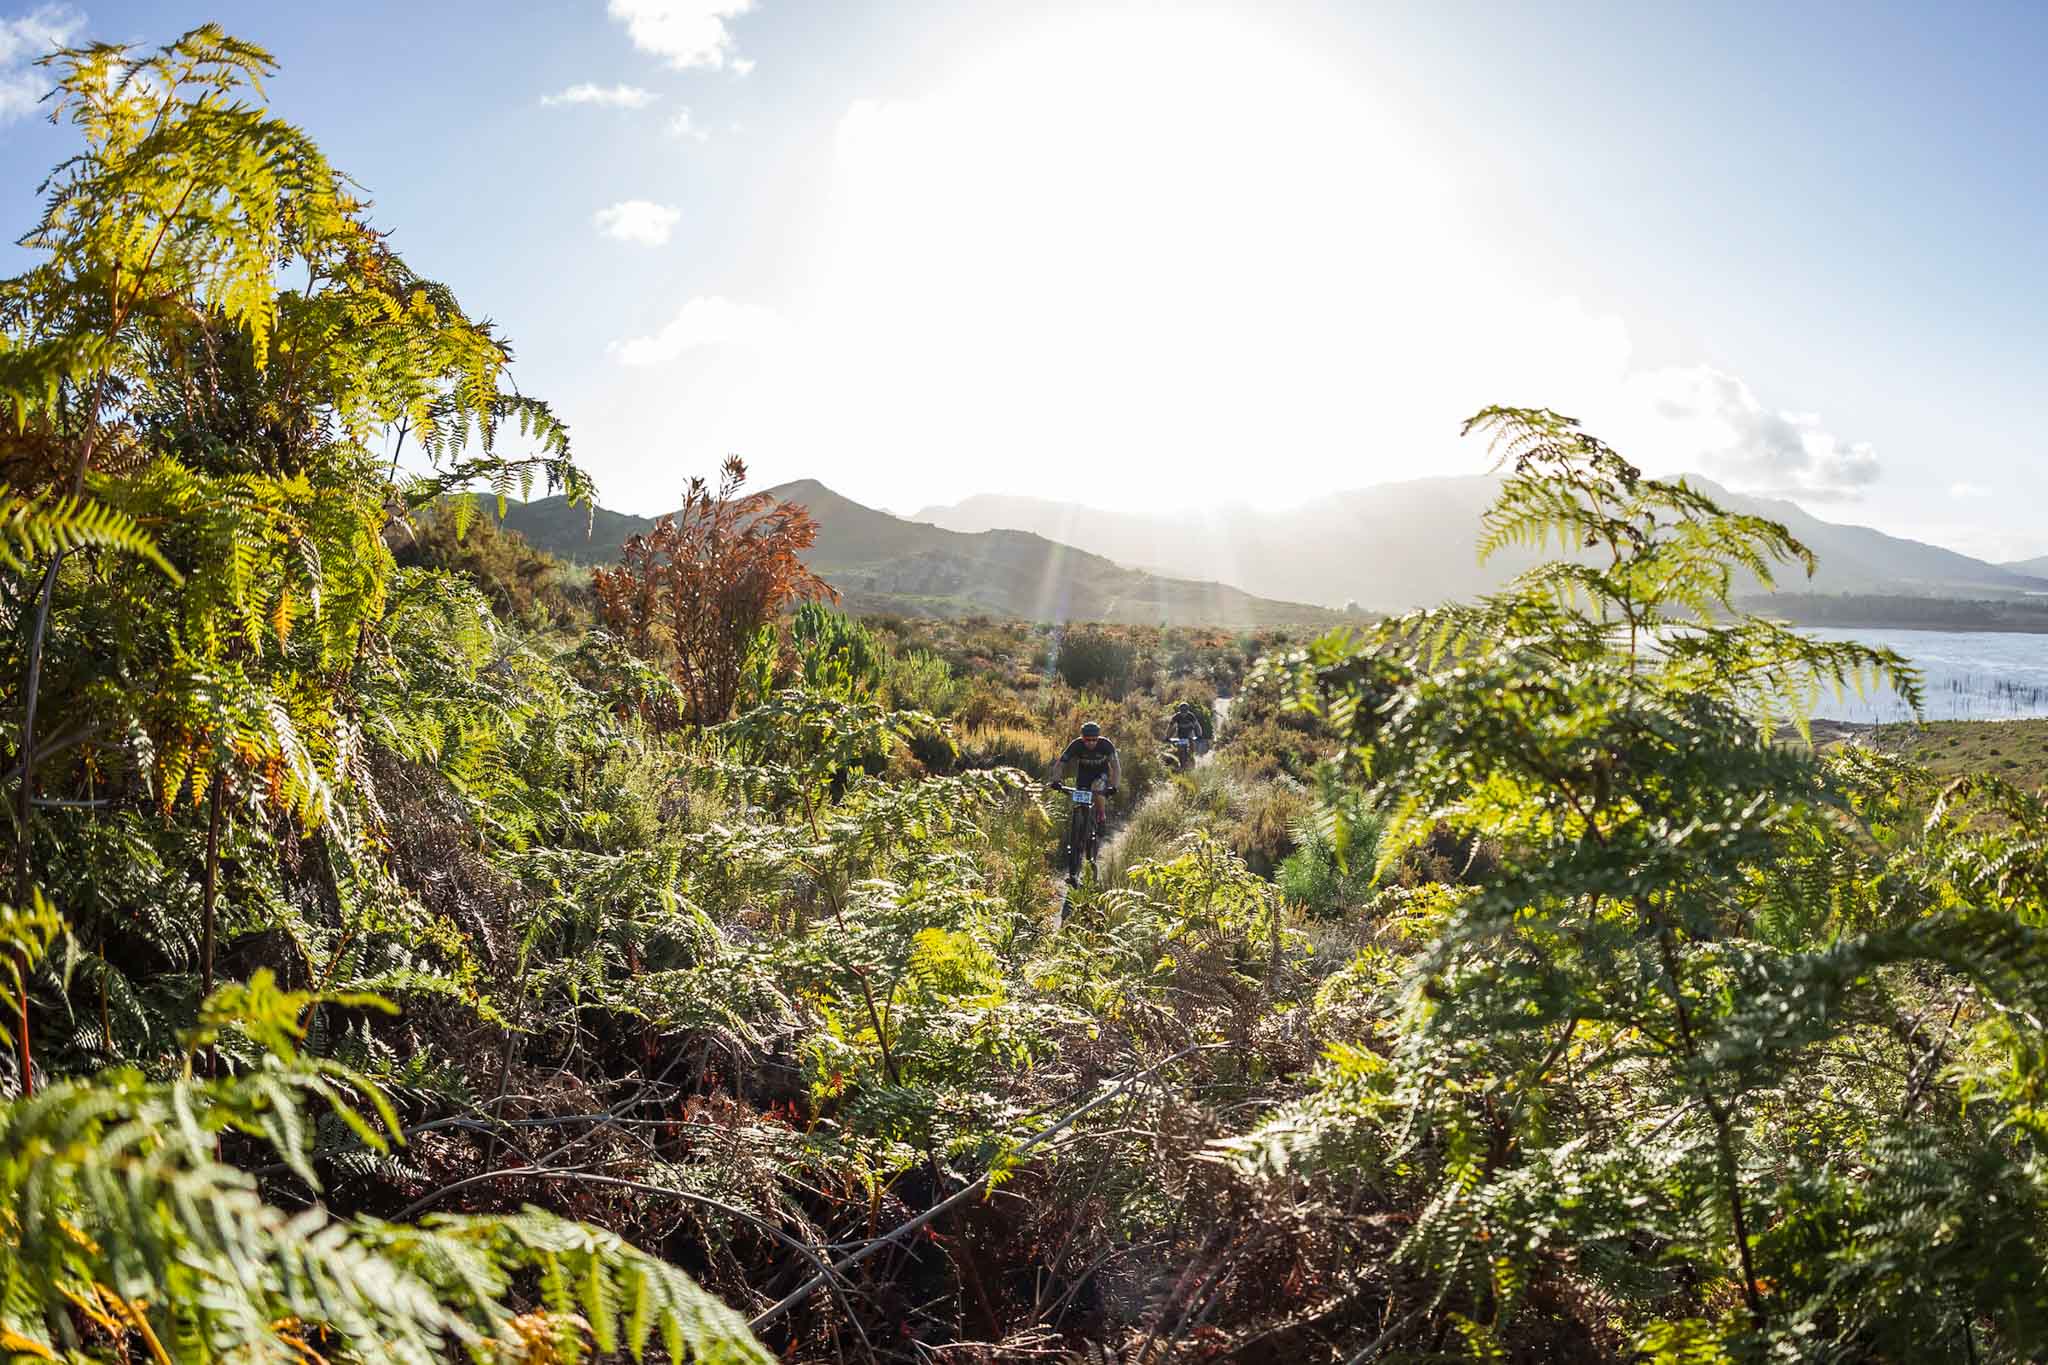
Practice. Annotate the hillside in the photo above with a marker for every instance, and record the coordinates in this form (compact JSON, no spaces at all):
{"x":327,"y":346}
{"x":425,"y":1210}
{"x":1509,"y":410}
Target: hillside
{"x":581,"y":535}
{"x":2015,"y":750}
{"x":1901,"y":611}
{"x":883,"y":563}
{"x":1407,"y":544}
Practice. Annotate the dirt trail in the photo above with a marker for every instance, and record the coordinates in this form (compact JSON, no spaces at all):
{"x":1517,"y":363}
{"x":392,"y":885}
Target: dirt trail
{"x":1106,"y":856}
{"x":1114,"y":844}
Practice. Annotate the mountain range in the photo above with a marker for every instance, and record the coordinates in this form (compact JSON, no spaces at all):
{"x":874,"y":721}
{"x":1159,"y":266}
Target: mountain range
{"x":884,"y":563}
{"x":1394,"y":546}
{"x":1388,"y":547}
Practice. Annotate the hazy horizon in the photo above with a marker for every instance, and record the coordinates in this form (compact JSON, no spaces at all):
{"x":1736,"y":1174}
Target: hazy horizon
{"x":1213,"y":512}
{"x":1151,"y":258}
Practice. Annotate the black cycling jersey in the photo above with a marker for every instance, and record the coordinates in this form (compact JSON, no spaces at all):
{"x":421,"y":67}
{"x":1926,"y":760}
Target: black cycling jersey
{"x":1187,"y":725}
{"x":1090,"y":763}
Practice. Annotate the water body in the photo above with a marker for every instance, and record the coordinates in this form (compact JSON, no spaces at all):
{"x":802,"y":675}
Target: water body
{"x":1967,"y":674}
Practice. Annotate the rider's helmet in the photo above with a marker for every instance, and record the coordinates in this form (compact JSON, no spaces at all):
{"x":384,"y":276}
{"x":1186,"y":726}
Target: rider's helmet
{"x":1090,"y":730}
{"x":1187,"y":706}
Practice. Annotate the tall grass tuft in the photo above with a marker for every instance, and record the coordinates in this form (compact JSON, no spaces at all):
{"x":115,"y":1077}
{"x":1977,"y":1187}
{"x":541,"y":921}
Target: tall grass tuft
{"x":1008,"y":746}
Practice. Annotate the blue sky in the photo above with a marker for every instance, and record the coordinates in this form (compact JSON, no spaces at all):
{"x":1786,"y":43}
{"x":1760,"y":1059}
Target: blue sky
{"x":1144,"y":254}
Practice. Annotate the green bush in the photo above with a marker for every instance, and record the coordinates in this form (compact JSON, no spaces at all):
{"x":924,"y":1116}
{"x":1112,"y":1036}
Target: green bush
{"x":1315,"y":879}
{"x":1091,"y":660}
{"x":834,"y":653}
{"x":1444,"y":855}
{"x":920,"y":680}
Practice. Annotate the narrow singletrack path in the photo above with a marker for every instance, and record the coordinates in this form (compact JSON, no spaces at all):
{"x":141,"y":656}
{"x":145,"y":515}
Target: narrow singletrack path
{"x":1106,"y":855}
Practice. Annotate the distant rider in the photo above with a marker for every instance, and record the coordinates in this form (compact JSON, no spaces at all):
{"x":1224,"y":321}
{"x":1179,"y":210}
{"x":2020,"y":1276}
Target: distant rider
{"x":1096,"y":767}
{"x":1187,"y":724}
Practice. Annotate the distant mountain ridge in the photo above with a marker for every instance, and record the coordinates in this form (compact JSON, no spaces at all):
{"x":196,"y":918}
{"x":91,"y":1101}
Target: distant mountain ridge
{"x":1394,"y":546}
{"x":884,"y":563}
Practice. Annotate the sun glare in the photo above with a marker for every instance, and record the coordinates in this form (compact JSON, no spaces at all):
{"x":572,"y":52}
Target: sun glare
{"x":1116,"y":250}
{"x":1167,"y":262}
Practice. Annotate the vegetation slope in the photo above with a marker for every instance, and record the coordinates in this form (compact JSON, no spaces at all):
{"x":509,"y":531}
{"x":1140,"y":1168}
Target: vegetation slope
{"x":883,"y":563}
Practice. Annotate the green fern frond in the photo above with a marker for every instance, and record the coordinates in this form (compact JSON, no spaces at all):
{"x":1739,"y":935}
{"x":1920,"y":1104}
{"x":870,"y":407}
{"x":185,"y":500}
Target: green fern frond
{"x":31,"y":527}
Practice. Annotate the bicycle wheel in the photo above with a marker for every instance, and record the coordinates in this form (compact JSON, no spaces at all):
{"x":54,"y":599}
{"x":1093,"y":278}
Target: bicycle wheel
{"x":1077,"y":838}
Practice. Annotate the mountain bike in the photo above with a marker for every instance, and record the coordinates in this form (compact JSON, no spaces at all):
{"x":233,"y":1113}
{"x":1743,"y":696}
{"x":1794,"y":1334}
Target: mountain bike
{"x":1183,"y":752}
{"x":1084,"y":831}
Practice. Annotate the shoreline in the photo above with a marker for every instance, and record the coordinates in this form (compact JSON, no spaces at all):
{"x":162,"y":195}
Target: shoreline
{"x":1833,"y":731}
{"x":1952,"y":628}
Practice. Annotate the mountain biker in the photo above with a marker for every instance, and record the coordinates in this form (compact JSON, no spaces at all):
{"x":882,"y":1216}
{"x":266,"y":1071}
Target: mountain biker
{"x":1184,"y":731}
{"x":1096,"y":767}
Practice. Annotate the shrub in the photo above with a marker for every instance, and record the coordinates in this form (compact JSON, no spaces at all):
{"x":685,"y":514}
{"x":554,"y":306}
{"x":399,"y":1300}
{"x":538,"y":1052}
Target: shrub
{"x":987,"y":705}
{"x":920,"y":680}
{"x":1152,"y":832}
{"x":1268,"y":737}
{"x":935,"y":749}
{"x":1444,"y":855}
{"x":1264,"y":747}
{"x":523,"y":584}
{"x":1313,"y":878}
{"x":626,"y":802}
{"x":1092,"y":660}
{"x":835,"y":653}
{"x":694,"y":591}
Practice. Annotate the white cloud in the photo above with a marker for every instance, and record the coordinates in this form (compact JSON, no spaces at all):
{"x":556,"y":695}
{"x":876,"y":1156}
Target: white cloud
{"x":701,"y":323}
{"x":1968,"y":490}
{"x":1713,"y":421}
{"x":22,"y":40}
{"x":637,"y":220}
{"x":610,"y":96}
{"x":684,"y":33}
{"x":683,"y":126}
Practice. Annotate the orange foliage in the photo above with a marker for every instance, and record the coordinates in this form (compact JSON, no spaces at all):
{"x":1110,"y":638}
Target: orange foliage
{"x":692,"y":593}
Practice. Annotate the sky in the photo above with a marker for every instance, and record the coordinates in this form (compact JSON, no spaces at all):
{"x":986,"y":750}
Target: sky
{"x":1151,"y":255}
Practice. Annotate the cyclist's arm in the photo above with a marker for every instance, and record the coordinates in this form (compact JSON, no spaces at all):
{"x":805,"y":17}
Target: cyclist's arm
{"x":1116,"y":770}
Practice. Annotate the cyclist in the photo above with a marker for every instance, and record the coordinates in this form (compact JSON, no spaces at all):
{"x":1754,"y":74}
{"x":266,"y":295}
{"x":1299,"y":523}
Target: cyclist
{"x":1096,"y":767}
{"x":1186,"y":723}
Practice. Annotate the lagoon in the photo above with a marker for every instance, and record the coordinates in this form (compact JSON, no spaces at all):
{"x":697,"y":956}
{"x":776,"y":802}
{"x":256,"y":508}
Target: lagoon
{"x":1967,"y":674}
